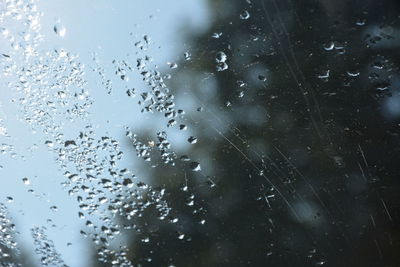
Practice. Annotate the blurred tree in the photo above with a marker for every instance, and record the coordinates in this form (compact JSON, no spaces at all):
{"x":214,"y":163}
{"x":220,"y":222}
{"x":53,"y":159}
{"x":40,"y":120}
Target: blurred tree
{"x":307,"y":173}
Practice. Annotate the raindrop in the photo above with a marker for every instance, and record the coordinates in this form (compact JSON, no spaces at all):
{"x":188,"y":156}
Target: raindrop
{"x":360,"y":22}
{"x":382,"y":86}
{"x":222,"y":66}
{"x":130,"y":92}
{"x":49,"y":143}
{"x":184,"y":158}
{"x":378,"y":65}
{"x":192,"y":140}
{"x":245,"y":15}
{"x":103,"y":200}
{"x":187,"y":56}
{"x":195,"y":166}
{"x":127,"y":182}
{"x":26,"y":181}
{"x":220,"y":57}
{"x":262,"y":78}
{"x":69,"y":143}
{"x":324,"y":75}
{"x":4,"y":31}
{"x":181,"y":236}
{"x":54,"y":208}
{"x":329,"y":46}
{"x":216,"y":35}
{"x":353,"y":73}
{"x":60,"y":30}
{"x":172,"y":65}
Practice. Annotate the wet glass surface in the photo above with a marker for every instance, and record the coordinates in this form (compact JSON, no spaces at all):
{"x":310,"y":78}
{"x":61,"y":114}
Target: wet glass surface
{"x":199,"y":133}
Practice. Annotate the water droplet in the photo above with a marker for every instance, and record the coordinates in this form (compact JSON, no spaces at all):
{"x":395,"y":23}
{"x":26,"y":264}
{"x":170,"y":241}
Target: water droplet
{"x":69,"y":143}
{"x":184,"y":158}
{"x":245,"y":15}
{"x":4,"y":31}
{"x":187,"y":56}
{"x":181,"y":236}
{"x":195,"y":166}
{"x":172,"y":65}
{"x":127,"y":182}
{"x":130,"y":92}
{"x":353,"y":73}
{"x":262,"y":78}
{"x":49,"y":143}
{"x":59,"y":29}
{"x":54,"y":208}
{"x":216,"y":35}
{"x":324,"y":75}
{"x":360,"y":22}
{"x":192,"y":140}
{"x":329,"y":46}
{"x":220,"y":57}
{"x":382,"y":86}
{"x":222,"y":66}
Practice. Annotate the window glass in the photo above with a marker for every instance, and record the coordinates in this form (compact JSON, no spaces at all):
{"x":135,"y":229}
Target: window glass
{"x":199,"y":133}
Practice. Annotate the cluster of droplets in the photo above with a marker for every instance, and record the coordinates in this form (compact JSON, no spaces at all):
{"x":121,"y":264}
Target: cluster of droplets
{"x":20,"y":27}
{"x":8,"y":246}
{"x":142,"y":149}
{"x":115,"y":258}
{"x":107,"y":83}
{"x":102,"y":188}
{"x":159,"y":97}
{"x":51,"y":92}
{"x":164,"y":146}
{"x":6,"y":148}
{"x":122,"y":68}
{"x":44,"y":247}
{"x":380,"y":74}
{"x":168,"y":156}
{"x":51,"y":87}
{"x":3,"y":129}
{"x":144,"y":43}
